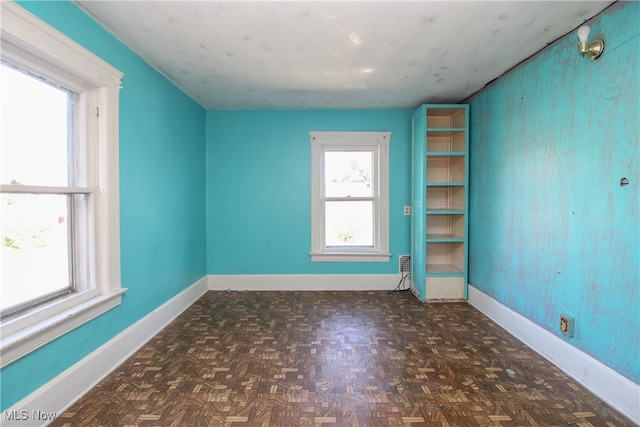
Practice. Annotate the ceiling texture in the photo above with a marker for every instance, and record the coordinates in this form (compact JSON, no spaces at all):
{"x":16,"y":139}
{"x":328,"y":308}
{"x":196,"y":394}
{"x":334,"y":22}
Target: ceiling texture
{"x":336,"y":54}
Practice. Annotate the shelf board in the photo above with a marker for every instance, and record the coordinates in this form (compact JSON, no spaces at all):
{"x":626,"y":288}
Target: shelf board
{"x":443,"y":269}
{"x":444,"y":212}
{"x":444,"y":238}
{"x":445,"y":184}
{"x":446,"y":130}
{"x":445,"y":153}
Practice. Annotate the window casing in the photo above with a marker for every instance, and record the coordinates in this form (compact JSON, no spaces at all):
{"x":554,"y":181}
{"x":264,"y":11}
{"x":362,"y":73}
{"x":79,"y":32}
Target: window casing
{"x":90,"y":191}
{"x":350,"y":196}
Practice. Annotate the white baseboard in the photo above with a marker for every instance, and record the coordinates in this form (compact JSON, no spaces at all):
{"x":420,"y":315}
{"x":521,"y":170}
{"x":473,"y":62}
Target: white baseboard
{"x":618,"y":391}
{"x":58,"y":394}
{"x":304,"y":282}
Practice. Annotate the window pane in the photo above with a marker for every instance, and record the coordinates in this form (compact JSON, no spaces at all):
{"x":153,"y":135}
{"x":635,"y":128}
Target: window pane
{"x":35,"y":246}
{"x":35,"y":130}
{"x":349,"y":223}
{"x":348,"y":173}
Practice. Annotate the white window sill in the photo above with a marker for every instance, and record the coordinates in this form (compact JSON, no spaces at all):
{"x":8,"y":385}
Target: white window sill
{"x":349,"y":257}
{"x":15,"y":344}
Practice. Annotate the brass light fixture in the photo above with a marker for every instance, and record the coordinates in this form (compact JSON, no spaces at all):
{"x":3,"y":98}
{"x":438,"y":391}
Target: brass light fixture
{"x":591,"y":49}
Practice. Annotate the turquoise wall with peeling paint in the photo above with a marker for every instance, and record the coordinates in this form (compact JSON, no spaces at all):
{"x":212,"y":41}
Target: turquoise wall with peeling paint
{"x":551,"y":230}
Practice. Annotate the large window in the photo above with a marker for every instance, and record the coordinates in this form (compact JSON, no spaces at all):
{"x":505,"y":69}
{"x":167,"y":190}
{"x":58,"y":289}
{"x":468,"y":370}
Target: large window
{"x":40,"y":231}
{"x":350,"y":192}
{"x":58,"y":184}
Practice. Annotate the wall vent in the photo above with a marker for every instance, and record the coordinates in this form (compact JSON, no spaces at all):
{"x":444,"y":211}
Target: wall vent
{"x":405,"y":263}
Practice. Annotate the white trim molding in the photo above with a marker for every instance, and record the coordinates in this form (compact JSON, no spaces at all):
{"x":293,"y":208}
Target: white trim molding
{"x":57,"y":395}
{"x":378,"y":144}
{"x":23,"y":341}
{"x":28,"y":32}
{"x":350,"y":257}
{"x":618,"y":391}
{"x":303,"y":282}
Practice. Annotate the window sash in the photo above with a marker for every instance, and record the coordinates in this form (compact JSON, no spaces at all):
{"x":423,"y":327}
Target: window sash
{"x":17,"y":309}
{"x":372,"y":226}
{"x":54,"y":273}
{"x":40,"y":189}
{"x":373,"y":149}
{"x":78,"y":220}
{"x":80,"y":152}
{"x":356,"y":192}
{"x":373,"y":198}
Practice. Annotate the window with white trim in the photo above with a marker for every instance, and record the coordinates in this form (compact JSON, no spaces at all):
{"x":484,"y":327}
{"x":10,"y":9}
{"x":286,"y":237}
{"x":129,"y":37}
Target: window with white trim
{"x":58,"y":184}
{"x":350,"y":196}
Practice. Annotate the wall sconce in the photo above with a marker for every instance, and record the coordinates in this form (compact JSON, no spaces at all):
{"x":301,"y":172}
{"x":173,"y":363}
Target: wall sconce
{"x":591,"y":49}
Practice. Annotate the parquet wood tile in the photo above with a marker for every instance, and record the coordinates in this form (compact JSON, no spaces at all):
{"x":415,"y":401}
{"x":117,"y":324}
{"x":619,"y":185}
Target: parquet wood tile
{"x":321,"y":359}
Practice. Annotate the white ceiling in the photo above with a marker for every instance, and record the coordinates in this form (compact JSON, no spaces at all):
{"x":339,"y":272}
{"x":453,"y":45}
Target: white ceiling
{"x":340,"y":54}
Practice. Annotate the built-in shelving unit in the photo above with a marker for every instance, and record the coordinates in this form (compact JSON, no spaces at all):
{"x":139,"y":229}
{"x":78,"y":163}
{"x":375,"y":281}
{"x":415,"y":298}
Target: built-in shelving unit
{"x":439,"y":206}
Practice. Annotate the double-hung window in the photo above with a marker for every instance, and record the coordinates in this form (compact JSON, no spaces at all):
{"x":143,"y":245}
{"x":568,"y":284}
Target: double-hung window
{"x":58,"y":184}
{"x":350,"y":196}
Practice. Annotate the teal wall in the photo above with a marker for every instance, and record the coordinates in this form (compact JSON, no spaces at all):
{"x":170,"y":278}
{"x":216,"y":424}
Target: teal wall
{"x":551,"y":229}
{"x":259,"y":184}
{"x":162,"y":200}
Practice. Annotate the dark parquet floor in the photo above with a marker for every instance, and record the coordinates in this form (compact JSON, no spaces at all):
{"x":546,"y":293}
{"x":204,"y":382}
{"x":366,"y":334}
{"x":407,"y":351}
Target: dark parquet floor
{"x":336,"y":359}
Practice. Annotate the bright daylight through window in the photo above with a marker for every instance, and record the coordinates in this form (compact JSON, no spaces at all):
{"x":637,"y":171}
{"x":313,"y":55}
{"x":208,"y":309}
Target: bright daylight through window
{"x":37,"y":228}
{"x":350,"y":191}
{"x":59,"y":212}
{"x":349,"y":198}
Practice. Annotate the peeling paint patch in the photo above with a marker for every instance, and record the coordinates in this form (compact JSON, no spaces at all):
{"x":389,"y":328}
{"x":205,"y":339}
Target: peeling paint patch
{"x":551,"y":229}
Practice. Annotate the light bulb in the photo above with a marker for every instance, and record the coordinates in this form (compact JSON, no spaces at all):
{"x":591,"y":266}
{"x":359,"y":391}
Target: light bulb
{"x":583,"y":33}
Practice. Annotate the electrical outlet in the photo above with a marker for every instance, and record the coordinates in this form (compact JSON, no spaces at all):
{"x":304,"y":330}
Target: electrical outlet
{"x":566,"y":325}
{"x":407,"y":210}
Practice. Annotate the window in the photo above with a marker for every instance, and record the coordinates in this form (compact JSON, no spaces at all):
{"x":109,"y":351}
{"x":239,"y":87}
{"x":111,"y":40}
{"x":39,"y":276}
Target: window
{"x":58,"y":184}
{"x":350,"y":196}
